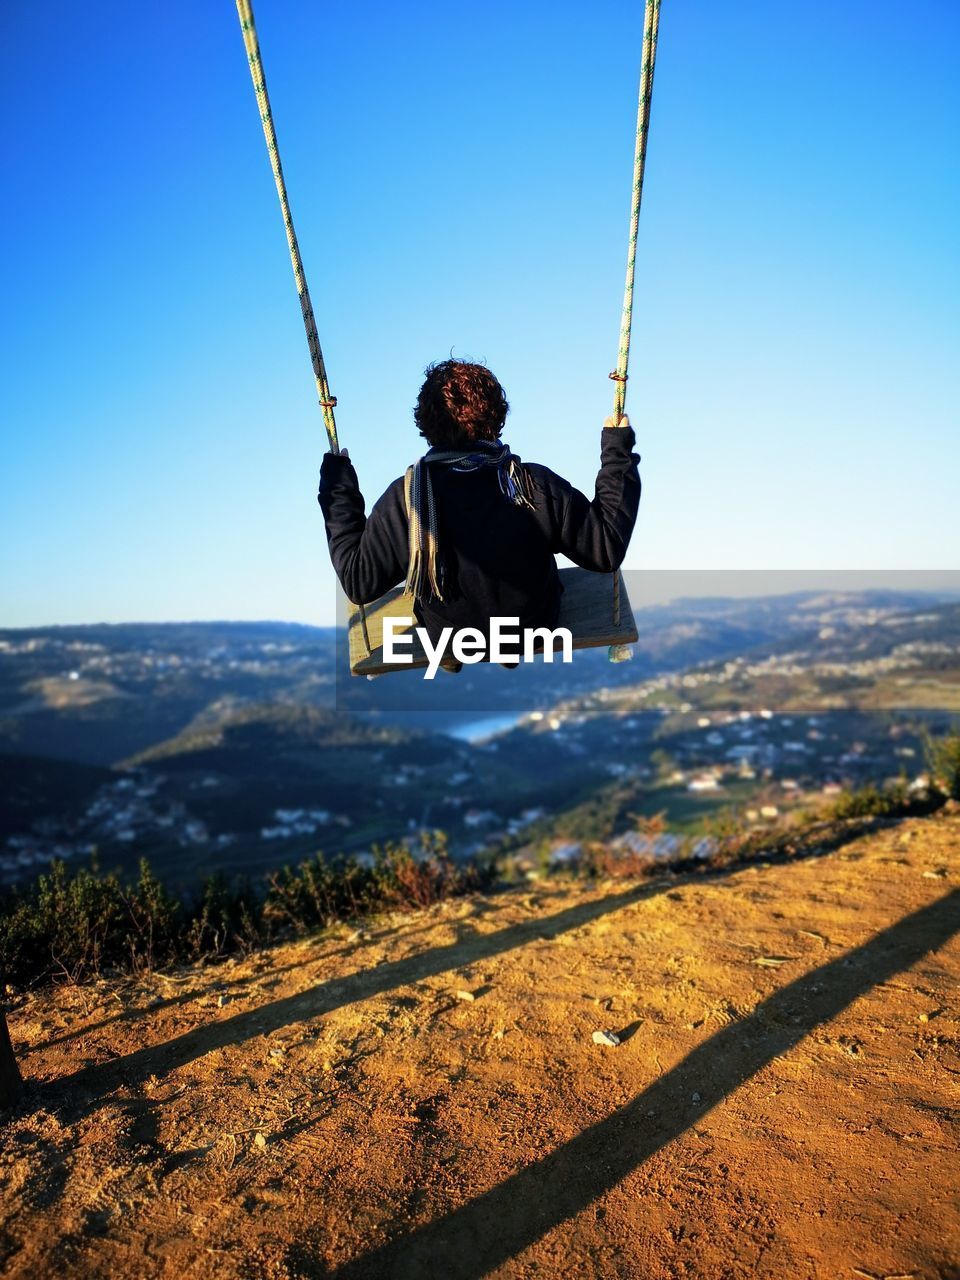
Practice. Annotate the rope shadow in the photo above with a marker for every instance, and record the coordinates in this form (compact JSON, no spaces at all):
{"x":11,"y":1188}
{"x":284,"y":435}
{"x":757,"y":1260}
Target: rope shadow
{"x":158,"y":1060}
{"x":475,"y":1239}
{"x":227,"y":984}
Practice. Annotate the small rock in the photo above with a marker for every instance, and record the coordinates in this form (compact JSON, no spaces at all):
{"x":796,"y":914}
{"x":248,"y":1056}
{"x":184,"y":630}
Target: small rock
{"x":466,"y":995}
{"x":939,"y":874}
{"x":222,"y":1000}
{"x":259,"y":1140}
{"x":694,"y":1097}
{"x":609,"y":1038}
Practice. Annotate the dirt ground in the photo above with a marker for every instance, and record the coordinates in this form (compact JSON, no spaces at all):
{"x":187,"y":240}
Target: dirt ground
{"x":783,"y":1101}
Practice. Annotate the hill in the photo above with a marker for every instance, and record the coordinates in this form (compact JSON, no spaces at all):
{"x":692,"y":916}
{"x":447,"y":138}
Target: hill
{"x":35,"y":788}
{"x":229,"y":754}
{"x":100,"y":694}
{"x":782,"y":1101}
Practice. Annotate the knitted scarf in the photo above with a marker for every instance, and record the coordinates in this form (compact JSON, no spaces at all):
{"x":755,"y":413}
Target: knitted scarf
{"x":425,"y":570}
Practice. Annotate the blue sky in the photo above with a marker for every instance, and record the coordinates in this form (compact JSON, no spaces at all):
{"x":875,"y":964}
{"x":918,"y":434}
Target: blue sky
{"x":460,"y":177}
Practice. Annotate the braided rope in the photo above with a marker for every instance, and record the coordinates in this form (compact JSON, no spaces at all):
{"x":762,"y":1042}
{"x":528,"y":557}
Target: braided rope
{"x":651,"y":23}
{"x":648,"y":58}
{"x":327,"y":401}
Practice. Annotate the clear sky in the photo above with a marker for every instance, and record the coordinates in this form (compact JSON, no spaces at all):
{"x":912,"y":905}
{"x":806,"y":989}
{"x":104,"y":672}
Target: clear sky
{"x":459,"y":177}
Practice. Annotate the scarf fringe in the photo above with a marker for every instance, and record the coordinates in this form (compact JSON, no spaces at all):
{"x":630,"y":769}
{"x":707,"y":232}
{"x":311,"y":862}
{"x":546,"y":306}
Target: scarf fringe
{"x":424,"y":566}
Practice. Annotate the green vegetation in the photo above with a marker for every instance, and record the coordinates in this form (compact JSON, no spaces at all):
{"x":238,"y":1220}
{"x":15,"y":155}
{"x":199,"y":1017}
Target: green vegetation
{"x":317,"y":892}
{"x":872,"y":801}
{"x":77,"y":924}
{"x":943,"y":761}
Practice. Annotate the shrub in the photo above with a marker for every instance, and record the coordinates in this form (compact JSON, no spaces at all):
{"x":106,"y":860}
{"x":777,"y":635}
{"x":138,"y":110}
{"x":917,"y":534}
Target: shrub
{"x":943,"y":762}
{"x":316,"y":893}
{"x":603,"y":862}
{"x":224,"y":918}
{"x":76,"y":923}
{"x":402,"y":880}
{"x":871,"y":801}
{"x":79,"y":924}
{"x":153,"y":927}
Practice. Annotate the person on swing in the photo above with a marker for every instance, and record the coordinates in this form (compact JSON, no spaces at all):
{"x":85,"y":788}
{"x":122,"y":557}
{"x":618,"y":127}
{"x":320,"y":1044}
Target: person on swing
{"x":471,"y":529}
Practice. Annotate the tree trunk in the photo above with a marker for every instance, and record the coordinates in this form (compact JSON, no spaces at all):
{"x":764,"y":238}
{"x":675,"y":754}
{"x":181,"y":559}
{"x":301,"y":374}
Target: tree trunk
{"x":10,"y":1081}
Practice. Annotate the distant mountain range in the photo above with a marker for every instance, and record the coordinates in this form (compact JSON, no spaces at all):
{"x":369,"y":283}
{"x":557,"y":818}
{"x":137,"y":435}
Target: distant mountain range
{"x":234,"y":744}
{"x":105,"y":693}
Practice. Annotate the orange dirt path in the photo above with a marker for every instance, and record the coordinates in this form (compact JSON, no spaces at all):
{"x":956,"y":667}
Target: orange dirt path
{"x":783,"y":1102}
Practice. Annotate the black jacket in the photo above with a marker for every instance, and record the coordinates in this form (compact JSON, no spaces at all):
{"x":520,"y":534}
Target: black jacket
{"x":498,"y":559}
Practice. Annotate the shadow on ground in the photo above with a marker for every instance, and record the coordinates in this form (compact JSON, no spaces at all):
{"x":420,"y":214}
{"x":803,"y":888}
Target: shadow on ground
{"x":483,"y":1234}
{"x":83,"y":1092}
{"x":227,"y":984}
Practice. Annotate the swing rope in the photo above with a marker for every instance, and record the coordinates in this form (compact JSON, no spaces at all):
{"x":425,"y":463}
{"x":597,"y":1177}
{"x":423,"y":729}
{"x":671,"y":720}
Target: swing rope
{"x":651,"y":23}
{"x":327,"y":401}
{"x":648,"y":57}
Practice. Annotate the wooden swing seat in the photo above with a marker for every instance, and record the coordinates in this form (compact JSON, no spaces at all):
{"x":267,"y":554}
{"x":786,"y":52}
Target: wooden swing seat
{"x":586,"y":609}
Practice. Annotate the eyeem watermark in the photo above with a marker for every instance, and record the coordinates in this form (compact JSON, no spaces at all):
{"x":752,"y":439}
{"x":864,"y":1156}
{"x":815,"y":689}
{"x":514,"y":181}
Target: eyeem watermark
{"x":508,"y":643}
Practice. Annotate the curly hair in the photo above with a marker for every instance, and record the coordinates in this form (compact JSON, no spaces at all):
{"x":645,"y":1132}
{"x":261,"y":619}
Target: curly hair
{"x":460,"y":402}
